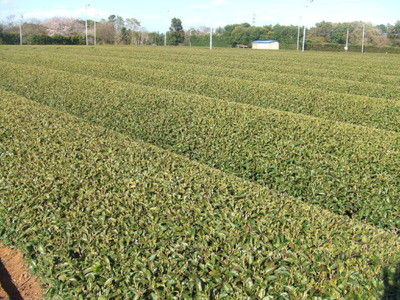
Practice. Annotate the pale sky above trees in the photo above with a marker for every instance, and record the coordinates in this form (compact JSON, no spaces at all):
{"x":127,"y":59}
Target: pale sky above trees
{"x":156,"y":15}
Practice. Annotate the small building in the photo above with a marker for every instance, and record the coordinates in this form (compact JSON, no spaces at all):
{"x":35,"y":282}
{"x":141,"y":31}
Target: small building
{"x":266,"y":44}
{"x":241,"y":46}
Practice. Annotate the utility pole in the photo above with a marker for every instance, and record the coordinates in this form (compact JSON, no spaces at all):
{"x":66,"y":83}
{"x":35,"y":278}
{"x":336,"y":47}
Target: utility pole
{"x":363,"y":38}
{"x":165,"y":37}
{"x":190,"y":37}
{"x":347,"y":41}
{"x":303,"y":48}
{"x":94,"y":33}
{"x":86,"y":25}
{"x":298,"y":35}
{"x":211,"y":30}
{"x":211,"y":25}
{"x":20,"y":30}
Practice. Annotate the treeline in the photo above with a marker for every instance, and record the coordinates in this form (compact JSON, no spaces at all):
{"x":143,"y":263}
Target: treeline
{"x":244,"y":34}
{"x":70,"y":31}
{"x":41,"y":39}
{"x":117,"y":30}
{"x":323,"y":33}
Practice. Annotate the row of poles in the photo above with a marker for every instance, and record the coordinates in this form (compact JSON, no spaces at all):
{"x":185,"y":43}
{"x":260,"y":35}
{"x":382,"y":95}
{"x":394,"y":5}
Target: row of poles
{"x":211,"y":34}
{"x":346,"y":48}
{"x":86,"y":28}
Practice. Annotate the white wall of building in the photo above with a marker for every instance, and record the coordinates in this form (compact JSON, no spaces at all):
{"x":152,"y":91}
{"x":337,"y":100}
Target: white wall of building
{"x":273,"y":46}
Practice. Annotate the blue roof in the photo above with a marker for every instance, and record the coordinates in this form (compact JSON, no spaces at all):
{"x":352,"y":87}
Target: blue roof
{"x":265,"y":41}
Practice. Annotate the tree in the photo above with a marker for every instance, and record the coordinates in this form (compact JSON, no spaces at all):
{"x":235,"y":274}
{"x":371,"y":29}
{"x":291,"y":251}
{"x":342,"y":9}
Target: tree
{"x":284,"y":34}
{"x":155,"y":38}
{"x":176,"y":34}
{"x":394,"y":30}
{"x":322,"y":32}
{"x":339,"y":33}
{"x":134,"y":29}
{"x":372,"y":35}
{"x":219,"y":30}
{"x":11,"y":22}
{"x":228,"y":29}
{"x":118,"y":23}
{"x":105,"y":31}
{"x":64,"y":26}
{"x":239,"y":35}
{"x":125,"y":37}
{"x":382,"y":28}
{"x":394,"y":33}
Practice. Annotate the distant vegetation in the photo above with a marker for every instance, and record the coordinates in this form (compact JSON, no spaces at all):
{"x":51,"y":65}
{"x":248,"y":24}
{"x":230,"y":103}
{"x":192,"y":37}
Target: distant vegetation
{"x":323,"y":36}
{"x":117,"y":30}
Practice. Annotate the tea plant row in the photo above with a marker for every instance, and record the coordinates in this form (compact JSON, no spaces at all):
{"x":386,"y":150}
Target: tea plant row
{"x":348,"y":169}
{"x":103,"y":216}
{"x":378,"y":113}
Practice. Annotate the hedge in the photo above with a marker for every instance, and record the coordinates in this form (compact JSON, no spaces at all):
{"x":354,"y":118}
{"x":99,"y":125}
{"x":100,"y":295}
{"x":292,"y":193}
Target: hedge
{"x":352,"y":48}
{"x":101,"y":216}
{"x":42,"y":39}
{"x":253,"y":70}
{"x":348,"y":169}
{"x":249,"y":87}
{"x":374,"y":68}
{"x":9,"y":38}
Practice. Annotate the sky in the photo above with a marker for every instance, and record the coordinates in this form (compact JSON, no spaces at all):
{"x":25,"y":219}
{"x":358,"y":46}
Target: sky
{"x":155,"y":15}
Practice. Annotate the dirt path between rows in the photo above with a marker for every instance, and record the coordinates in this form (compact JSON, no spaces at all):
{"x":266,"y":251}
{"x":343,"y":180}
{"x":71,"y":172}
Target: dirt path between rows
{"x":15,"y":280}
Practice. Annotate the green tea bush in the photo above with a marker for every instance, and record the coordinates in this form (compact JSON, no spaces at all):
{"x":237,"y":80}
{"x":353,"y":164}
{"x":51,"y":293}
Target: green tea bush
{"x":102,"y":216}
{"x":379,"y":113}
{"x":348,"y":169}
{"x":367,"y":68}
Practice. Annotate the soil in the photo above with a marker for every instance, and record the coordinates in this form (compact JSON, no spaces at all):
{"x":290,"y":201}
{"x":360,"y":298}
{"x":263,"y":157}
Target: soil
{"x":16,"y":282}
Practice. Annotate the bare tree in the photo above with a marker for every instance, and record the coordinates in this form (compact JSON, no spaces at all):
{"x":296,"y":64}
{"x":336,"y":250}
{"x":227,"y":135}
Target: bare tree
{"x":11,"y":22}
{"x":106,"y":33}
{"x":145,"y":37}
{"x":372,"y":35}
{"x":133,"y":26}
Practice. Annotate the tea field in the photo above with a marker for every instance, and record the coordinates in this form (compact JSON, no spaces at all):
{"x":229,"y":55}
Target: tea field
{"x":181,"y":173}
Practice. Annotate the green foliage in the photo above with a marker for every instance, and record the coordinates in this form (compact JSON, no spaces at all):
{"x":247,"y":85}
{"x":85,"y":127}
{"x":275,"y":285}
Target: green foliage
{"x":157,"y":38}
{"x":322,"y":33}
{"x":394,"y":30}
{"x":203,"y":40}
{"x":9,"y":38}
{"x":101,"y":216}
{"x":233,"y":81}
{"x":349,"y":169}
{"x":245,"y":34}
{"x":176,"y":35}
{"x":40,"y":39}
{"x":44,"y":39}
{"x":352,"y":48}
{"x":285,"y":34}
